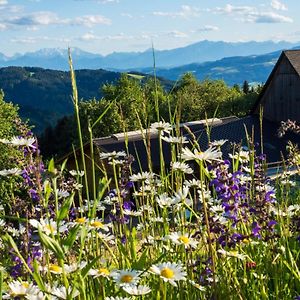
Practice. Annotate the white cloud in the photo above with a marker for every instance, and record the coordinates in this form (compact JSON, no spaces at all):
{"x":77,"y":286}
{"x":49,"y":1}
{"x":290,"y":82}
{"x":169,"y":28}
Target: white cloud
{"x":177,"y":34}
{"x":130,"y":16}
{"x":208,"y":28}
{"x":276,"y":4}
{"x":2,"y":27}
{"x":3,"y":2}
{"x":89,"y":37}
{"x":185,"y":12}
{"x":34,"y":19}
{"x":119,"y":37}
{"x":44,"y":18}
{"x":252,"y":14}
{"x":108,"y":1}
{"x":269,"y":17}
{"x":91,"y":20}
{"x":34,"y":40}
{"x":229,"y":9}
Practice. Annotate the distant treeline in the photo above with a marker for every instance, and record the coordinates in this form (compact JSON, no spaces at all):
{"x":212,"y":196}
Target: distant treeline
{"x":133,"y":102}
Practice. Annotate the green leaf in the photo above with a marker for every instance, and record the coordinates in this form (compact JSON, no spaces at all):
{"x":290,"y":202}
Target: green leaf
{"x":141,"y":263}
{"x":64,"y":210}
{"x":71,"y":238}
{"x":85,"y":270}
{"x":51,"y":244}
{"x":51,"y":166}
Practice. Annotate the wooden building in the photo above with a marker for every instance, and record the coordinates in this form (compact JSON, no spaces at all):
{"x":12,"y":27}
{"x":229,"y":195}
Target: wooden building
{"x":280,"y":97}
{"x":279,"y":100}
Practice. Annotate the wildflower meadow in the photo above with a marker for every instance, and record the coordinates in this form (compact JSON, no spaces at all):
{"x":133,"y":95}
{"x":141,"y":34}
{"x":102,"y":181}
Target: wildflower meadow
{"x":202,"y":228}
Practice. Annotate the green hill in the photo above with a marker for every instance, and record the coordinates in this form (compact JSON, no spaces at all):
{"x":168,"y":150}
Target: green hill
{"x":44,"y":96}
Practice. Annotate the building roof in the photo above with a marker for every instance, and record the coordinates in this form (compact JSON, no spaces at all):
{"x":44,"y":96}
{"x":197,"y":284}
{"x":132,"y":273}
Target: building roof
{"x":293,"y":56}
{"x":236,"y":133}
{"x":134,"y":142}
{"x":233,"y":129}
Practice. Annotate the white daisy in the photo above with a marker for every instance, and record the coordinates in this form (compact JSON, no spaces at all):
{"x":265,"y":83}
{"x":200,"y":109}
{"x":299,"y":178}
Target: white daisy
{"x":112,"y":155}
{"x":125,"y":277}
{"x":181,"y":167}
{"x":175,"y":139}
{"x":195,"y":183}
{"x":19,"y":141}
{"x":169,"y":272}
{"x":38,"y":296}
{"x":98,"y":224}
{"x":11,"y":172}
{"x":132,"y":213}
{"x":117,"y":298}
{"x":218,"y":143}
{"x":137,"y":290}
{"x":63,"y":293}
{"x":182,"y":194}
{"x":161,"y":126}
{"x":208,"y":155}
{"x":232,"y":254}
{"x":48,"y":226}
{"x":183,"y":239}
{"x":141,"y":176}
{"x":63,"y":194}
{"x":164,"y":200}
{"x":242,"y":156}
{"x":197,"y":286}
{"x":19,"y":289}
{"x":101,"y":272}
{"x":109,"y":238}
{"x":76,"y":173}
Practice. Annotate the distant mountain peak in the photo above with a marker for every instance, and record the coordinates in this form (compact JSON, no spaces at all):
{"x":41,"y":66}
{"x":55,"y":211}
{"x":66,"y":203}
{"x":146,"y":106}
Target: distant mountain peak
{"x":202,"y":51}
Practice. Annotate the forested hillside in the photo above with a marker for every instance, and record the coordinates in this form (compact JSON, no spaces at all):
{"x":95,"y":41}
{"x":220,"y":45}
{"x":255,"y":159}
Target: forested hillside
{"x":131,"y":103}
{"x":44,"y":96}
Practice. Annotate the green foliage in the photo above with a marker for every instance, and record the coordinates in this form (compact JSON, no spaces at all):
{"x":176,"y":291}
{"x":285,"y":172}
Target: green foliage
{"x":132,"y":103}
{"x":44,"y":95}
{"x":91,"y":110}
{"x":197,"y":100}
{"x":8,"y":127}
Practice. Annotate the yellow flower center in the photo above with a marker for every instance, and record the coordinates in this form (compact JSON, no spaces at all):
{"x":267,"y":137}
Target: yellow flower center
{"x":234,"y":253}
{"x":96,"y":224}
{"x":246,"y":241}
{"x":50,"y":228}
{"x":103,"y":271}
{"x":126,"y":278}
{"x":167,"y":273}
{"x":184,"y":239}
{"x":80,"y":220}
{"x":55,"y":268}
{"x":25,"y":285}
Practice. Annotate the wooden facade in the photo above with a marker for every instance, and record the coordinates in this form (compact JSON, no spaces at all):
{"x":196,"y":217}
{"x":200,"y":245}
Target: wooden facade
{"x":280,"y":98}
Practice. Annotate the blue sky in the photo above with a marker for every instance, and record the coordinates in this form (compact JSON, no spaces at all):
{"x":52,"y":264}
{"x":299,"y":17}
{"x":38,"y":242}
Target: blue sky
{"x":105,"y":26}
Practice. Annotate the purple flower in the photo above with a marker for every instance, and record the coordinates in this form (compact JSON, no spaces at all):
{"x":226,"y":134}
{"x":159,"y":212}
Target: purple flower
{"x":256,"y":230}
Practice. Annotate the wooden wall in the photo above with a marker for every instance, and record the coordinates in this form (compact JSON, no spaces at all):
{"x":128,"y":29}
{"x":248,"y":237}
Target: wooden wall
{"x":281,"y":100}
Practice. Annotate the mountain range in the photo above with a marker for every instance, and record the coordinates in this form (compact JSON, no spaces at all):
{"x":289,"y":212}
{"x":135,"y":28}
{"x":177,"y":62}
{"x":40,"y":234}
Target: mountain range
{"x":43,"y":95}
{"x":200,"y":52}
{"x":233,"y":70}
